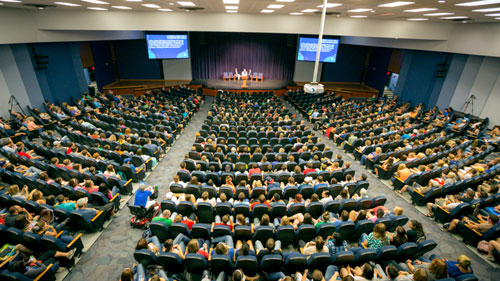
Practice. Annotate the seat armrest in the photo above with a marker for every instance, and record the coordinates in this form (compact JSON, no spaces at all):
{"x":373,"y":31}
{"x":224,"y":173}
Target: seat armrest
{"x":96,"y":216}
{"x":74,"y":241}
{"x":40,"y":276}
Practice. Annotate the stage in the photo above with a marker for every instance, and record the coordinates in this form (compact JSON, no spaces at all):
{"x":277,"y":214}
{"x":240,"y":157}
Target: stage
{"x":218,"y":84}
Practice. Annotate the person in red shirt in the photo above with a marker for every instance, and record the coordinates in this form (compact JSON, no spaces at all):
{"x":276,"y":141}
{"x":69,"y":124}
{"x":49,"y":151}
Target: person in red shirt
{"x":20,"y":152}
{"x":255,"y":170}
{"x":187,"y":221}
{"x":226,"y":220}
{"x":262,"y":200}
{"x":309,"y":168}
{"x":194,"y":248}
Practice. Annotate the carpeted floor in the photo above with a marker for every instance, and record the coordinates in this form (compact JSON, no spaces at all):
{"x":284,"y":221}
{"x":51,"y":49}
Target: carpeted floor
{"x":112,"y":252}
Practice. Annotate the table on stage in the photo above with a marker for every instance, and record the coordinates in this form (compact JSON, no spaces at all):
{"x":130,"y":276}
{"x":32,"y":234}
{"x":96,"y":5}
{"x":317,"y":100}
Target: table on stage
{"x":244,"y":78}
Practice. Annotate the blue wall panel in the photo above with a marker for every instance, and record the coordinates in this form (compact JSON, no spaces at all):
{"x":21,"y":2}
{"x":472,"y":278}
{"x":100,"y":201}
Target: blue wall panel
{"x":417,"y":83}
{"x":104,"y":70}
{"x":133,"y":62}
{"x":62,"y":80}
{"x":452,"y":78}
{"x":349,"y":66}
{"x":22,"y":55}
{"x":376,"y":73}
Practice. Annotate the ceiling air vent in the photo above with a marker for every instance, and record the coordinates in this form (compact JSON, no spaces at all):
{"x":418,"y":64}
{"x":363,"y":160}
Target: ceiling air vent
{"x":191,"y":8}
{"x":328,"y":13}
{"x":39,"y":6}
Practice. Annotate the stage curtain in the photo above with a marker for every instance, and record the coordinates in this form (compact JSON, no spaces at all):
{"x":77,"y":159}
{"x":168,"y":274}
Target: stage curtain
{"x":213,"y":53}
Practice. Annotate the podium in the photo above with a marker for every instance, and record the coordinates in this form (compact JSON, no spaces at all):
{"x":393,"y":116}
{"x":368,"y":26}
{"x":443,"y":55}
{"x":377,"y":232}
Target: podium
{"x":244,"y":78}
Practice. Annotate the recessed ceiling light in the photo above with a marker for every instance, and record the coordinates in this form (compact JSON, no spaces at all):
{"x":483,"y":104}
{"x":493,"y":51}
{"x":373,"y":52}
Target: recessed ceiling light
{"x":267,"y":11}
{"x":97,"y":8}
{"x":441,"y":1}
{"x":396,"y":4}
{"x":418,"y":19}
{"x":455,"y":18}
{"x":493,"y":15}
{"x":165,"y":10}
{"x":359,"y":17}
{"x":487,"y":10}
{"x":11,"y":1}
{"x":186,"y":3}
{"x":121,"y":7}
{"x":360,"y":10}
{"x":296,"y":14}
{"x":285,"y":1}
{"x":478,"y":3}
{"x":420,"y":10}
{"x":96,"y":2}
{"x":309,"y":10}
{"x":153,"y":6}
{"x":231,"y":1}
{"x":330,"y":5}
{"x":231,"y":7}
{"x":232,"y":11}
{"x":438,"y":14}
{"x":275,"y":6}
{"x":67,"y":4}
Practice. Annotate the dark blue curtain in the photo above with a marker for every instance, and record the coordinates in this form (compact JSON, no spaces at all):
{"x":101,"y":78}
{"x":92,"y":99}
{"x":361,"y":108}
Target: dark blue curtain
{"x":213,"y":53}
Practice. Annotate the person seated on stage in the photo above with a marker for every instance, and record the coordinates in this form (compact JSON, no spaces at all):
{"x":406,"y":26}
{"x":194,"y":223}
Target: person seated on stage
{"x":236,"y":74}
{"x":244,"y":73}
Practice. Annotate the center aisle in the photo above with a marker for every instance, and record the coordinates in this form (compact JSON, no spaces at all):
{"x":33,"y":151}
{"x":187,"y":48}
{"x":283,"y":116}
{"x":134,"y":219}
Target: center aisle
{"x":448,"y":247}
{"x":112,"y":252}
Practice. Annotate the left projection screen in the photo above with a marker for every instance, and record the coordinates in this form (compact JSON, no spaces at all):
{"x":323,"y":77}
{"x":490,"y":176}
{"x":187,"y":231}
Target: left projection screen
{"x":167,"y":46}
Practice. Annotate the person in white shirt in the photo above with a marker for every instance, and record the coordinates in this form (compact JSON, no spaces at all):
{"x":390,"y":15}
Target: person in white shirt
{"x":325,"y":197}
{"x":205,"y":198}
{"x":177,"y":180}
{"x":236,"y":74}
{"x":244,"y":73}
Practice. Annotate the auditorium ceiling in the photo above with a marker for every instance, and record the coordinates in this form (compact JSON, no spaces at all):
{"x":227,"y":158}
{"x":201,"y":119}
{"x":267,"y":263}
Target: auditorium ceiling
{"x":462,"y":11}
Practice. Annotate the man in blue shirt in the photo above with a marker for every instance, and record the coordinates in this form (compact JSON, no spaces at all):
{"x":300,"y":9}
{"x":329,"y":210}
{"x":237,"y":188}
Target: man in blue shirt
{"x":142,"y":196}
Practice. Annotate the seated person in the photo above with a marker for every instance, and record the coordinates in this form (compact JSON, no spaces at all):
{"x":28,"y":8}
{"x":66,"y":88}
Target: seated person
{"x":336,"y":244}
{"x":478,"y":224}
{"x":316,"y":246}
{"x":459,"y":267}
{"x":143,"y":196}
{"x":272,"y":248}
{"x":377,"y":239}
{"x":89,"y":213}
{"x":165,"y":217}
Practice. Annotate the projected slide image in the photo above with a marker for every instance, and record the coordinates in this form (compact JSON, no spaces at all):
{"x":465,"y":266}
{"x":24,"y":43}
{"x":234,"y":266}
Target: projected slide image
{"x":308,"y":47}
{"x":167,"y":46}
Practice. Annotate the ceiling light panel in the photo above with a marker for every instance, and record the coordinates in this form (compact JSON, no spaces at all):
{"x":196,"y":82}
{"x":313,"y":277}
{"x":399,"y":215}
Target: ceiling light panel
{"x":165,"y":10}
{"x":296,"y":14}
{"x":186,"y":3}
{"x":330,"y":5}
{"x":153,"y":6}
{"x":438,"y":14}
{"x":67,"y":4}
{"x":121,"y":7}
{"x":288,"y":1}
{"x":275,"y":6}
{"x":359,"y":17}
{"x":493,"y":15}
{"x":11,"y":1}
{"x":309,"y":10}
{"x":360,"y":10}
{"x":487,"y":10}
{"x":478,"y":3}
{"x":417,"y":19}
{"x":396,"y":4}
{"x":419,"y":10}
{"x":97,"y":8}
{"x":455,"y":18}
{"x":231,"y":1}
{"x":96,"y":2}
{"x":231,"y":7}
{"x":267,"y":11}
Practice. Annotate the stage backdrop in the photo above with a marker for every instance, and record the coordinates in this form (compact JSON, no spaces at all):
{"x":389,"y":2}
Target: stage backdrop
{"x":213,"y":53}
